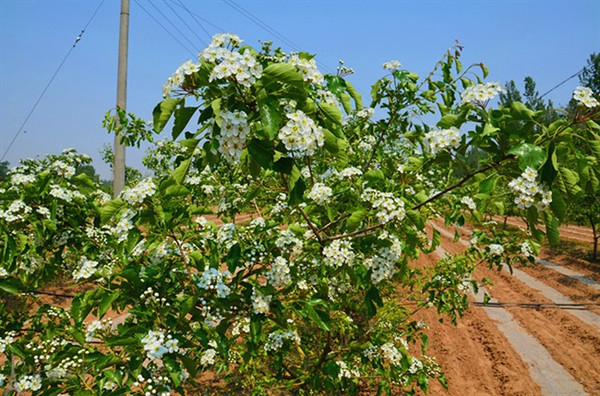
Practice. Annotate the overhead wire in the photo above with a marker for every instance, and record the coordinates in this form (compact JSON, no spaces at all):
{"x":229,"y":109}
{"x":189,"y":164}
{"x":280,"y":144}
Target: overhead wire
{"x":174,"y":26}
{"x":562,"y":82}
{"x":271,"y":30}
{"x":204,"y":43}
{"x":164,"y":28}
{"x":37,"y":102}
{"x":188,"y":26}
{"x":196,"y":17}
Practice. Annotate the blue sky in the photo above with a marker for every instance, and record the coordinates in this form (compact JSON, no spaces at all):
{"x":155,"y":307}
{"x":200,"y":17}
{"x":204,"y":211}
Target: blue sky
{"x":548,"y":40}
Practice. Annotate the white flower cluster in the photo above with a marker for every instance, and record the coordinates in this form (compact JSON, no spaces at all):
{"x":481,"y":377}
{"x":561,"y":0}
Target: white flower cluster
{"x":441,"y":139}
{"x":3,"y":272}
{"x":320,"y":193}
{"x":496,"y":249}
{"x":345,"y":372}
{"x":365,"y":113}
{"x":415,"y":365}
{"x":208,"y":356}
{"x":62,"y":169}
{"x":121,"y":230}
{"x":28,"y":382}
{"x":383,"y":265}
{"x":86,"y":269}
{"x":350,"y":172}
{"x":234,"y":132}
{"x":481,"y":93}
{"x":157,"y":344}
{"x":19,"y":178}
{"x":526,"y":249}
{"x":338,"y":253}
{"x":391,"y":353}
{"x":174,"y":82}
{"x":137,"y":194}
{"x":389,"y":207}
{"x":528,"y":188}
{"x":260,"y":302}
{"x":468,"y":202}
{"x":212,"y":279}
{"x":6,"y":340}
{"x":279,"y":274}
{"x":225,"y":235}
{"x":15,"y":211}
{"x":392,"y":65}
{"x":327,"y":97}
{"x":243,"y":67}
{"x":64,"y":194}
{"x":242,"y":326}
{"x":308,"y":69}
{"x":367,"y":143}
{"x":585,"y":97}
{"x":96,"y":325}
{"x":301,"y":135}
{"x":275,"y":340}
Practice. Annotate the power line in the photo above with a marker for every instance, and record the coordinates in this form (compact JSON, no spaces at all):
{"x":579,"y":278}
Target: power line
{"x":186,"y":24}
{"x":271,"y":30}
{"x":196,"y":17}
{"x":174,"y":26}
{"x":77,"y":39}
{"x":562,"y":82}
{"x":164,"y":28}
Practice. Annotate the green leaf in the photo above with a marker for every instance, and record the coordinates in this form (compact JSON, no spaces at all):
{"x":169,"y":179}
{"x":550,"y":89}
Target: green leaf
{"x":270,"y":116}
{"x":181,"y":171}
{"x":109,"y":210}
{"x":162,"y":113}
{"x":12,"y":285}
{"x":484,"y":69}
{"x":262,"y":152}
{"x":345,"y":99}
{"x":449,"y":120}
{"x":317,"y":316}
{"x":372,"y":300}
{"x":331,"y":112}
{"x":296,"y":194}
{"x":570,"y":179}
{"x":355,"y":96}
{"x":552,"y":230}
{"x":550,"y":168}
{"x":182,"y":117}
{"x":330,"y":141}
{"x":283,"y":73}
{"x":529,"y":155}
{"x":284,"y":165}
{"x":355,"y":219}
{"x":107,"y":301}
{"x":558,"y":205}
{"x":520,"y":111}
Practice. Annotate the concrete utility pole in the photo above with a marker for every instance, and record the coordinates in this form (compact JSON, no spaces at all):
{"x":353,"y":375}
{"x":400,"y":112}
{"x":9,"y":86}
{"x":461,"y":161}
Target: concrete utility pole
{"x":119,"y":151}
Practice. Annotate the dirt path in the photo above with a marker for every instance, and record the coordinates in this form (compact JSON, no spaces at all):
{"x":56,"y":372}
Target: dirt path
{"x":475,"y":356}
{"x":571,"y":342}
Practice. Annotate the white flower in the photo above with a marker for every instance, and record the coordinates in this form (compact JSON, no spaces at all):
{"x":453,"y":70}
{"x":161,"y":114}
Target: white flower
{"x":320,"y":193}
{"x":468,"y":201}
{"x":208,"y":357}
{"x":279,"y":274}
{"x":338,"y":253}
{"x":392,"y":65}
{"x":481,"y":93}
{"x":308,"y":69}
{"x":86,"y":269}
{"x":442,"y":139}
{"x":300,"y":135}
{"x":391,"y":353}
{"x":260,"y":302}
{"x":584,"y":96}
{"x":526,"y":249}
{"x":496,"y":249}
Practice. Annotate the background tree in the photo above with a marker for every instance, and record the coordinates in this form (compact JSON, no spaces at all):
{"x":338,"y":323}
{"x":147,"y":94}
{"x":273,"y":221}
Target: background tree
{"x":3,"y":170}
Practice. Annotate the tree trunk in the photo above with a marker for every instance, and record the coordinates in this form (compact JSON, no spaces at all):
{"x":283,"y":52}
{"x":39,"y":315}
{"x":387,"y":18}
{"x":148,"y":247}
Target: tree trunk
{"x":596,"y":237}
